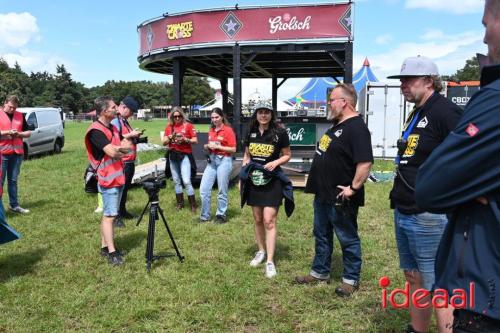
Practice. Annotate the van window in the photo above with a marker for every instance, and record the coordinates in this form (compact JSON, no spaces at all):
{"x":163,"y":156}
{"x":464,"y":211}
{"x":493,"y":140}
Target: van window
{"x":48,"y":118}
{"x":32,"y":120}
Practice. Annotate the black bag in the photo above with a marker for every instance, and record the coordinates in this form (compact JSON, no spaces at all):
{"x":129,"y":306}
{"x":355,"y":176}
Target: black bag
{"x":90,"y":179}
{"x":174,"y":155}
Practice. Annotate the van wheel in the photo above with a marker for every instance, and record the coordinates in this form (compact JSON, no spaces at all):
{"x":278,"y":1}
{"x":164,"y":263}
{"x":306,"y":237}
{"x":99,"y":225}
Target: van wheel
{"x":57,"y":147}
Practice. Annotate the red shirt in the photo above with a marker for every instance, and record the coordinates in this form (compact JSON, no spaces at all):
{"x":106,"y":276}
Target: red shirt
{"x":224,"y":136}
{"x":187,"y":130}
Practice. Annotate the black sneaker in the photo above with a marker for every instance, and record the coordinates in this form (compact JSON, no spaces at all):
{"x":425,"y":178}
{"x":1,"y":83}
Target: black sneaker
{"x":115,"y":258}
{"x":118,"y":222}
{"x":220,"y":219}
{"x":105,"y":252}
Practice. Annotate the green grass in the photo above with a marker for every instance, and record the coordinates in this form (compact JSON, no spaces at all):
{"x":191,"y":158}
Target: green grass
{"x":54,"y":280}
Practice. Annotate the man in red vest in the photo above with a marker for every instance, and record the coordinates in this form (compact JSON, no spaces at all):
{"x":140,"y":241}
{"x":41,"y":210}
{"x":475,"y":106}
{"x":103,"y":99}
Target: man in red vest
{"x":126,"y":109}
{"x":13,"y":128}
{"x":105,"y":150}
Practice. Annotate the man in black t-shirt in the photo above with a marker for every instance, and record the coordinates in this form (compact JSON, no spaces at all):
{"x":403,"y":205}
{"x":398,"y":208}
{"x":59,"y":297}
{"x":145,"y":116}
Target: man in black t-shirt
{"x":340,"y":168}
{"x":418,"y":233}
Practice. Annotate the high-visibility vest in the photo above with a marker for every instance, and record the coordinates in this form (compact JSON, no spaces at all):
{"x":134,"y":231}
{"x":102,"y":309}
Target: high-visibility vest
{"x":8,"y":144}
{"x":126,"y":129}
{"x":109,"y":170}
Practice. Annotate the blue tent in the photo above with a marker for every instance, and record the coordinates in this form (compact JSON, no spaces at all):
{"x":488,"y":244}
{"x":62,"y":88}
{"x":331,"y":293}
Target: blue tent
{"x":313,"y":95}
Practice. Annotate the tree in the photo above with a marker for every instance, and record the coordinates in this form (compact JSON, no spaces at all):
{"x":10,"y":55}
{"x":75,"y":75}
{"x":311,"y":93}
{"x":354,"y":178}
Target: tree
{"x":470,"y":72}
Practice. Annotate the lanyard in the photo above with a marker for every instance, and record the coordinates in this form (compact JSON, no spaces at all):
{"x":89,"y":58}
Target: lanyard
{"x":408,"y":127}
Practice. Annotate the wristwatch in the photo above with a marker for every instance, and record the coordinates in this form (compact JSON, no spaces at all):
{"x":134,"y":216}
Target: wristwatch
{"x":353,"y":189}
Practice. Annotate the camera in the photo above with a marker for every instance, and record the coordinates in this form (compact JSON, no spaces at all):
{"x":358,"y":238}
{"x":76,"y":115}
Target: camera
{"x":401,"y":144}
{"x":154,"y":186}
{"x":142,"y":140}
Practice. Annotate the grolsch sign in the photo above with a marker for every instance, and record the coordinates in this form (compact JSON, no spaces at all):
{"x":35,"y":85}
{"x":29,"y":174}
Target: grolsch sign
{"x":301,"y":134}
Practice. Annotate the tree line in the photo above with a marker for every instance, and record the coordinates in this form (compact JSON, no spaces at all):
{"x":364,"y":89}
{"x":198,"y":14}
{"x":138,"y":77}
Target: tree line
{"x":60,"y":90}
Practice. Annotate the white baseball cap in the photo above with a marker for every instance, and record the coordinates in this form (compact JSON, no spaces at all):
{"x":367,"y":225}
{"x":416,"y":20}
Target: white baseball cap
{"x":416,"y":66}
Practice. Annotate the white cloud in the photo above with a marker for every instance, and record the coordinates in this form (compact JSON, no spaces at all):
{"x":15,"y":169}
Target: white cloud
{"x":383,"y":39}
{"x":448,"y":51}
{"x":33,"y":61}
{"x":433,"y":34}
{"x":17,"y":30}
{"x":449,"y":6}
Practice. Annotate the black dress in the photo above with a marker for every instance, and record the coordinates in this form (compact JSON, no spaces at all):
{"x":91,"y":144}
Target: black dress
{"x":263,"y":149}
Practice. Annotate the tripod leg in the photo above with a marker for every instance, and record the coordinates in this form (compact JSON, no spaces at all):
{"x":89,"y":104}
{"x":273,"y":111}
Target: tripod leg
{"x":142,"y":214}
{"x":179,"y":255}
{"x":151,"y":239}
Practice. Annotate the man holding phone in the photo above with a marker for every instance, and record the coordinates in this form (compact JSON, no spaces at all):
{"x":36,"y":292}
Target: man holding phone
{"x":126,"y":109}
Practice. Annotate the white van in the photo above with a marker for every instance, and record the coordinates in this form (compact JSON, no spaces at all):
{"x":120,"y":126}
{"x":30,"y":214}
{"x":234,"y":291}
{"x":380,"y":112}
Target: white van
{"x":47,"y":131}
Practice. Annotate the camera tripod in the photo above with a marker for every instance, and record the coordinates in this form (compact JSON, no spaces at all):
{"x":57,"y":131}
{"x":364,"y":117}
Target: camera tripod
{"x":154,"y":209}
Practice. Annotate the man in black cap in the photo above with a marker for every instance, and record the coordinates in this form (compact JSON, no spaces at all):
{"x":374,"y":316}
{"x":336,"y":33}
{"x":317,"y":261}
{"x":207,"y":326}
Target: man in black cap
{"x":126,"y":109}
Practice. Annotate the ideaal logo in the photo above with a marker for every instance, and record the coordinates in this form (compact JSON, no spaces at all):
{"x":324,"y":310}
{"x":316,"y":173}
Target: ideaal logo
{"x":179,"y":30}
{"x":419,"y":298}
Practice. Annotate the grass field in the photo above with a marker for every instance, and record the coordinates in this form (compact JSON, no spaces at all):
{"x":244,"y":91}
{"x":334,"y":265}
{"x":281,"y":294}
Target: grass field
{"x":54,"y":280}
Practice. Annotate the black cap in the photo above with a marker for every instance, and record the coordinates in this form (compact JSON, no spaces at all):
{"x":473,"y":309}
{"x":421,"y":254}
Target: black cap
{"x":131,"y":103}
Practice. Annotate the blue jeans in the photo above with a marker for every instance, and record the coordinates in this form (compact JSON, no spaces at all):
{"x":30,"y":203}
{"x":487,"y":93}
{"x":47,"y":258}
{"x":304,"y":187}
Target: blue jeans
{"x":418,"y":237}
{"x":11,"y":166}
{"x":182,"y":170}
{"x":220,"y":167}
{"x":111,"y":200}
{"x":328,"y":220}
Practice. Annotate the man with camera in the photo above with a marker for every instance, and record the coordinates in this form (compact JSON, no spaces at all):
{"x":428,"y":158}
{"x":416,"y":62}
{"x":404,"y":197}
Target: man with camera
{"x":126,"y":109}
{"x":340,"y":167}
{"x":418,"y":232}
{"x":14,"y":129}
{"x":462,"y":177}
{"x":105,"y":151}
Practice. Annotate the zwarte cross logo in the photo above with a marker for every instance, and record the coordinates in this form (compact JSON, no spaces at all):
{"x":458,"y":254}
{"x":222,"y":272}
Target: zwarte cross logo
{"x":149,"y":36}
{"x":231,"y":25}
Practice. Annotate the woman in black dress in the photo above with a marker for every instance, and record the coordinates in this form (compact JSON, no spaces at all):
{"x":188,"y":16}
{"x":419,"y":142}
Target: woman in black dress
{"x":266,"y":144}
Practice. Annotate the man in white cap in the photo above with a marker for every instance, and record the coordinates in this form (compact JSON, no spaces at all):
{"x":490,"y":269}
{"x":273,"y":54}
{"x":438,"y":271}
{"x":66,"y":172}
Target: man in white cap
{"x":418,"y":232}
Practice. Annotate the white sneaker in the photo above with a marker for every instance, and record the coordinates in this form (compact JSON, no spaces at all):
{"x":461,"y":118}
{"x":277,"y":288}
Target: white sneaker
{"x":258,"y":259}
{"x":270,"y":270}
{"x":19,"y":209}
{"x":98,"y":210}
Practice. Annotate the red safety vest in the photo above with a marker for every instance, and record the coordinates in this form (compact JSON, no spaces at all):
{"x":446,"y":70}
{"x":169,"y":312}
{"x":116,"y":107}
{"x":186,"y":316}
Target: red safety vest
{"x":126,"y":129}
{"x":1,"y":187}
{"x":8,"y":145}
{"x":109,"y":171}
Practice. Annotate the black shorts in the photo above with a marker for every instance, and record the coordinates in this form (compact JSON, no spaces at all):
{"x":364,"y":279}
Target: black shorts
{"x":269,"y":195}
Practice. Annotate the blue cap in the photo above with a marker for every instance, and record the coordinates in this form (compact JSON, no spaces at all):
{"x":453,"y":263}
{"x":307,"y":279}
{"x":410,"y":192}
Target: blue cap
{"x":131,"y":103}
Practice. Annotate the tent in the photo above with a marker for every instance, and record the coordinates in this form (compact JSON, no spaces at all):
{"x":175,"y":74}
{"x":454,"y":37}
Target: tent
{"x":313,"y":95}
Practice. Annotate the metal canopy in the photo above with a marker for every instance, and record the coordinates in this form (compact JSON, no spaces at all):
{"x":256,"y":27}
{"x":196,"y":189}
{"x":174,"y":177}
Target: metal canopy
{"x":265,"y":61}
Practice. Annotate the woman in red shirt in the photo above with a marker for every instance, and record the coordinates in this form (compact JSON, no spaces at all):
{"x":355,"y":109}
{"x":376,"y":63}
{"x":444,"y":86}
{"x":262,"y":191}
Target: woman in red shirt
{"x":179,"y":136}
{"x":221,"y":146}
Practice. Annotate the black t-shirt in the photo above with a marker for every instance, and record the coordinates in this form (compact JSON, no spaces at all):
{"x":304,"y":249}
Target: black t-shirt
{"x":267,"y":147}
{"x":98,"y":141}
{"x":25,"y":124}
{"x":436,"y":119}
{"x":338,"y":152}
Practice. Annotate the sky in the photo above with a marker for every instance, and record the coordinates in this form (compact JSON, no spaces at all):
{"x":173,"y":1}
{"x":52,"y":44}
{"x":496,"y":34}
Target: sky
{"x":98,"y":41}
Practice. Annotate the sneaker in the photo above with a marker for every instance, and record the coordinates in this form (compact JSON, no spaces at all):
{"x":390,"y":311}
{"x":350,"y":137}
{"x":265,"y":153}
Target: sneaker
{"x":118,"y":222}
{"x":309,"y":279}
{"x":346,"y":289}
{"x":105,"y":252}
{"x":270,"y":270}
{"x":115,"y":259}
{"x":98,"y":210}
{"x":202,"y":220}
{"x":258,"y":259}
{"x":220,"y":219}
{"x":19,"y":209}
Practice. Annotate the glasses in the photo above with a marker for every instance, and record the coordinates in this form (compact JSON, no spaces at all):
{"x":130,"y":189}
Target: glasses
{"x":177,"y":117}
{"x":332,"y":100}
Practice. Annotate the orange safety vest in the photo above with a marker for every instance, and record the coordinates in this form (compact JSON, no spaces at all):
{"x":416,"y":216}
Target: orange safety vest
{"x":126,"y":129}
{"x":109,"y":170}
{"x":8,"y":145}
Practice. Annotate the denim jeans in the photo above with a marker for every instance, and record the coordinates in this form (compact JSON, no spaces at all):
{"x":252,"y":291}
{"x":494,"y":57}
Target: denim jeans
{"x":328,"y":220}
{"x":220,"y":167}
{"x":11,"y":166}
{"x":129,"y":170}
{"x":111,"y":199}
{"x":418,"y":237}
{"x":182,"y":170}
